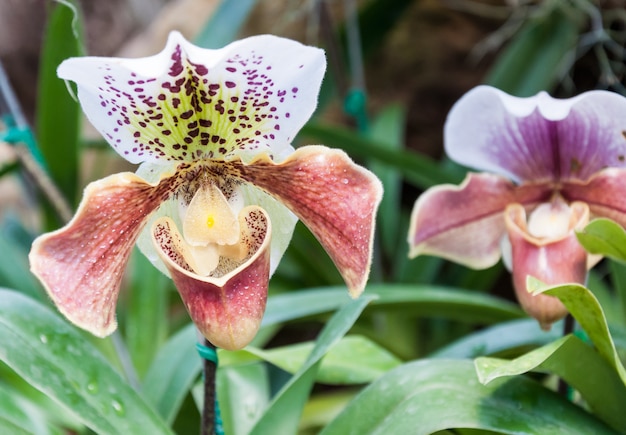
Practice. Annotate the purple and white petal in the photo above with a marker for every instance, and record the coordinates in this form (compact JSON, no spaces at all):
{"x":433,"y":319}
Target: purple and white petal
{"x":188,"y":103}
{"x":538,"y":139}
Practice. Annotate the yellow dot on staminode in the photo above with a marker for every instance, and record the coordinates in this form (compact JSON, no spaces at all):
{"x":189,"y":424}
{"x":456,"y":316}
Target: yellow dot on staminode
{"x":210,"y":221}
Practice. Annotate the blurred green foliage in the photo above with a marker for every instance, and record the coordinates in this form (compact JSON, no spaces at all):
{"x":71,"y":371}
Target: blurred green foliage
{"x":397,"y":360}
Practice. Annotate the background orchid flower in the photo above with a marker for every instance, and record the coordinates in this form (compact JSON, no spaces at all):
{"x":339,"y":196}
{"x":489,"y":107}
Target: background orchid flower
{"x":550,"y":165}
{"x":219,"y":188}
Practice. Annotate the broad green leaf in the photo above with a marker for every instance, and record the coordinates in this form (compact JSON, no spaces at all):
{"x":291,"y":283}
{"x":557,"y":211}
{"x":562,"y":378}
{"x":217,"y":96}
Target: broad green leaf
{"x":573,"y":361}
{"x":605,"y":237}
{"x":225,"y":23}
{"x":584,"y":306}
{"x":353,"y":360}
{"x":284,"y":412}
{"x":498,"y":338}
{"x":172,"y":373}
{"x":15,"y":270}
{"x":322,"y":408}
{"x":14,"y":416}
{"x":146,"y":320}
{"x":426,"y":396}
{"x":54,"y":358}
{"x":243,"y":392}
{"x":418,"y":169}
{"x":533,"y":61}
{"x":388,"y":128}
{"x":58,"y":115}
{"x":421,"y":300}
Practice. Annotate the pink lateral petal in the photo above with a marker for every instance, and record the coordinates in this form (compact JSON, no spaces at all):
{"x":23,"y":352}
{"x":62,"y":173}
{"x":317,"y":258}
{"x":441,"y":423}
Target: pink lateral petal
{"x":334,"y":197}
{"x":464,"y":223}
{"x":605,"y":193}
{"x":553,"y":261}
{"x":228,"y":309}
{"x":81,"y":265}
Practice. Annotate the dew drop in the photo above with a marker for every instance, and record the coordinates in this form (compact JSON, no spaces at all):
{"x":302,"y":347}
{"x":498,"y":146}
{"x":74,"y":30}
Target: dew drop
{"x":117,"y":407}
{"x":43,"y":338}
{"x":92,"y":388}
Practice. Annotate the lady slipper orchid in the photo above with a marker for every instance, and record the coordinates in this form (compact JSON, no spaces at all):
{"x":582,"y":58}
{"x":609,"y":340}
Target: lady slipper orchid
{"x":552,"y":164}
{"x":219,"y":188}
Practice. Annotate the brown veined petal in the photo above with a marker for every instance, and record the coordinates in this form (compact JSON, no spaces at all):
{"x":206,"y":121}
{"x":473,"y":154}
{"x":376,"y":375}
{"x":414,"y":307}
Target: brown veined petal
{"x":228,"y":306}
{"x":556,"y":260}
{"x":464,"y":223}
{"x":81,"y":264}
{"x":334,"y":197}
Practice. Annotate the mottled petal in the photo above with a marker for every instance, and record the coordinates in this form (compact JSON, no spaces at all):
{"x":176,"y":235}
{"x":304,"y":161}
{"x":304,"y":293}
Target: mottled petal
{"x":186,"y":102}
{"x":538,"y":138}
{"x":226,"y":308}
{"x":81,"y":265}
{"x":464,"y":223}
{"x":605,"y":193}
{"x":552,"y":260}
{"x":335,"y":198}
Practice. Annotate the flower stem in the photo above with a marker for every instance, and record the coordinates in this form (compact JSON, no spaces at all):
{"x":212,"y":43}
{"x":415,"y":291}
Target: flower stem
{"x":208,"y":411}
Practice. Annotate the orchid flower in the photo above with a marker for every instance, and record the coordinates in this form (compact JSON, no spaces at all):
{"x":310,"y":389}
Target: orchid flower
{"x":550,"y":164}
{"x":219,"y":190}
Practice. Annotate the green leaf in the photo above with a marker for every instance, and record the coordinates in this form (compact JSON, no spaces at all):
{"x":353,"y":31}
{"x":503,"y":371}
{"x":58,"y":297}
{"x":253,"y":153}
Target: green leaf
{"x":225,"y":23}
{"x":243,"y":393}
{"x":172,"y":373}
{"x":15,"y":270}
{"x":418,"y":169}
{"x":421,"y":300}
{"x":353,"y":360}
{"x":584,"y":306}
{"x":426,"y":396}
{"x":572,"y":360}
{"x":285,"y":410}
{"x":54,"y":358}
{"x":605,"y":237}
{"x":146,"y":320}
{"x":533,"y":60}
{"x":58,"y":115}
{"x":14,"y":416}
{"x":388,"y":128}
{"x":498,"y":338}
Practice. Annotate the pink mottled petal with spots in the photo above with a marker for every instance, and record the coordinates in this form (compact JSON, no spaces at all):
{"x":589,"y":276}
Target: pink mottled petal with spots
{"x":335,"y":198}
{"x":81,"y":264}
{"x":465,"y":223}
{"x":228,"y":308}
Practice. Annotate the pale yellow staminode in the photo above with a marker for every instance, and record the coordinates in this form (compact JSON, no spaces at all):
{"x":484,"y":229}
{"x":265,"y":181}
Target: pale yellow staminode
{"x":550,"y":220}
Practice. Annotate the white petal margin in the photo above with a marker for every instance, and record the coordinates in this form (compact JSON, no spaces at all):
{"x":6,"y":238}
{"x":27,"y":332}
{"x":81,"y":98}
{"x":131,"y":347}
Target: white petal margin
{"x":521,"y":138}
{"x":279,"y":79}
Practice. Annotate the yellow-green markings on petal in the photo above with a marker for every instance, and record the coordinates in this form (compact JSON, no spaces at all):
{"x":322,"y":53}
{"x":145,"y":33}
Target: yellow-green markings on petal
{"x":193,"y":116}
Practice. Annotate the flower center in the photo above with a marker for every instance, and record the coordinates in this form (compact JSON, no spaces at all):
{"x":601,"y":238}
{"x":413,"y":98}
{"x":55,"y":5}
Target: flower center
{"x":550,"y":220}
{"x":211,"y":230}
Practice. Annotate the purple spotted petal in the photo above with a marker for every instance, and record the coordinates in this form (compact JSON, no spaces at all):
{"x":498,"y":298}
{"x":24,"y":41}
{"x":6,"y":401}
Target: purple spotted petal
{"x":188,"y":103}
{"x":538,"y":138}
